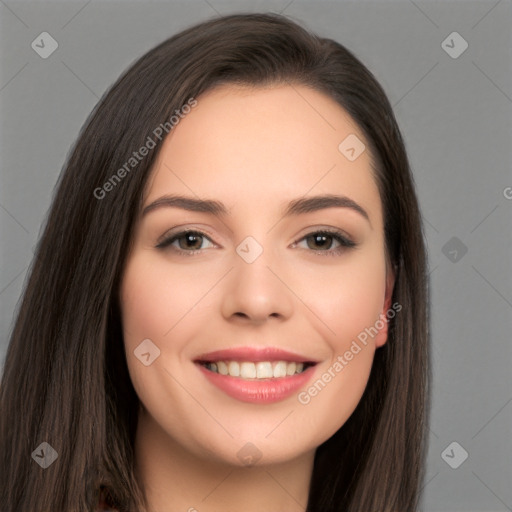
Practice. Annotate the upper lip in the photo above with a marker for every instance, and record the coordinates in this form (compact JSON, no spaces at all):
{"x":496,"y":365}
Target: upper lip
{"x":255,"y":354}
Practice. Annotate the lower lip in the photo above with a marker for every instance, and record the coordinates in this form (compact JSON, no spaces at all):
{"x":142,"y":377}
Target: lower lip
{"x":259,"y":391}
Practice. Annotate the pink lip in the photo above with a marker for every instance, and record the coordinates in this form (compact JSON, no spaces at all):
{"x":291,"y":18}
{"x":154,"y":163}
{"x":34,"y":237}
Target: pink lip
{"x":263,"y":391}
{"x":254,"y":354}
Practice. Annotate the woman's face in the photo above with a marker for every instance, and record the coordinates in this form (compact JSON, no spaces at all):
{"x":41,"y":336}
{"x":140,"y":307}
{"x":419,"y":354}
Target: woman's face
{"x":258,"y":272}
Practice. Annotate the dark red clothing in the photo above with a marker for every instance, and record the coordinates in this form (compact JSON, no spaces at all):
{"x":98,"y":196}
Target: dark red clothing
{"x":103,"y":504}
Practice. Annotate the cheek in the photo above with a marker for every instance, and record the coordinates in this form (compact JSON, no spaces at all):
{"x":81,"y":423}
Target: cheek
{"x":157,"y":303}
{"x":155,"y":297}
{"x":142,"y":307}
{"x":331,"y":398}
{"x":347,"y":298}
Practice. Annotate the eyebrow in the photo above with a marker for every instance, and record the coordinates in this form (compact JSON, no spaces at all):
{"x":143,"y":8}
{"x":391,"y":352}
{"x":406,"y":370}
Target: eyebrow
{"x":295,"y":207}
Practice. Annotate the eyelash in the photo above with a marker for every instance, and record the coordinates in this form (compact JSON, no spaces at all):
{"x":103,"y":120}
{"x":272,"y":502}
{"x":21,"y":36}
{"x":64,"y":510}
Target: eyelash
{"x":345,"y":243}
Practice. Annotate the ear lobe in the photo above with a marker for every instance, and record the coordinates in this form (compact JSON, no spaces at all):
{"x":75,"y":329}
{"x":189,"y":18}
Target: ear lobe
{"x":382,"y":335}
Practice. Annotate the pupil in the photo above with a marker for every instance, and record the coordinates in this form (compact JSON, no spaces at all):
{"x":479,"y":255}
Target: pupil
{"x":321,"y":238}
{"x":190,"y":240}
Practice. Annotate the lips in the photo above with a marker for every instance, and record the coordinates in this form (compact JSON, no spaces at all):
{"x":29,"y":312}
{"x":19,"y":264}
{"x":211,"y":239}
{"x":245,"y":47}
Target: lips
{"x":253,"y":354}
{"x":237,"y":372}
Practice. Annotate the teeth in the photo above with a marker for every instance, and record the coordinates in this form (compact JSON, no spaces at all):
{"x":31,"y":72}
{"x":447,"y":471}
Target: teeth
{"x":233,"y":369}
{"x":247,"y":370}
{"x":259,"y":370}
{"x":280,"y":370}
{"x":222,"y":367}
{"x":264,"y":370}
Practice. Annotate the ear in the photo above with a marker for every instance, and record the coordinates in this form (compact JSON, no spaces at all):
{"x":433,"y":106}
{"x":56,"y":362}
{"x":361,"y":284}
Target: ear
{"x":387,"y":312}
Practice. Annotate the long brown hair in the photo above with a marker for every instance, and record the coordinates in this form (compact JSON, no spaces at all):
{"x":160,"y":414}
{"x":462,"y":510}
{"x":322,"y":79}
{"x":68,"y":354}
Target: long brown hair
{"x":65,"y":379}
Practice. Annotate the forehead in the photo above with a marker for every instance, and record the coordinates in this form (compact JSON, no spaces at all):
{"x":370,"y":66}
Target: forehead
{"x":249,"y":144}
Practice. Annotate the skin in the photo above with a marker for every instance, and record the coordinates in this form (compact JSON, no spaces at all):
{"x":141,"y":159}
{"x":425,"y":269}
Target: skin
{"x":253,"y":149}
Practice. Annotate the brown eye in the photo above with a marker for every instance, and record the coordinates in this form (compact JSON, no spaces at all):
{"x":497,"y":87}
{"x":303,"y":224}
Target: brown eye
{"x":188,"y":241}
{"x":322,"y":242}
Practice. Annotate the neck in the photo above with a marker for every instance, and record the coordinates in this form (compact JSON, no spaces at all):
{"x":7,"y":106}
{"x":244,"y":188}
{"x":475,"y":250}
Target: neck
{"x":176,"y":480}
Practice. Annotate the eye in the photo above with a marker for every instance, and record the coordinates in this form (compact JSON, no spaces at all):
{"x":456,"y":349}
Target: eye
{"x":322,"y":242}
{"x":189,"y":241}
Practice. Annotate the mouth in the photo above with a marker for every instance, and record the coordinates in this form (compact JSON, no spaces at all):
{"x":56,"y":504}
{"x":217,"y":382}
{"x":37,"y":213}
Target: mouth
{"x":256,"y":370}
{"x":258,"y":375}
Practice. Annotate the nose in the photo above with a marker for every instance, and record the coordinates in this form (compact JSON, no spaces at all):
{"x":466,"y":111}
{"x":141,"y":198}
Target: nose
{"x":256,"y":292}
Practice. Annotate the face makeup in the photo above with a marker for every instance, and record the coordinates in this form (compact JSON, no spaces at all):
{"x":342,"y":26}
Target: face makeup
{"x":258,"y":261}
{"x":257,"y":375}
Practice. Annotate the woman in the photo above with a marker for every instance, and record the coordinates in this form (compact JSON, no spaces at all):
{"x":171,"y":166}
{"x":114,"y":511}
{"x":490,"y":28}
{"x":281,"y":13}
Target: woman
{"x":228,"y":307}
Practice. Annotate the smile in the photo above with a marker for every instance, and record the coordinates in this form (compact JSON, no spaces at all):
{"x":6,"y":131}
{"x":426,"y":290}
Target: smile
{"x":260,"y":375}
{"x":249,"y":370}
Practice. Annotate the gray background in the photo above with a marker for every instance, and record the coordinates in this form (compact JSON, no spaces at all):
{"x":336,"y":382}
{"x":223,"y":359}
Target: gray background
{"x":455,"y":115}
